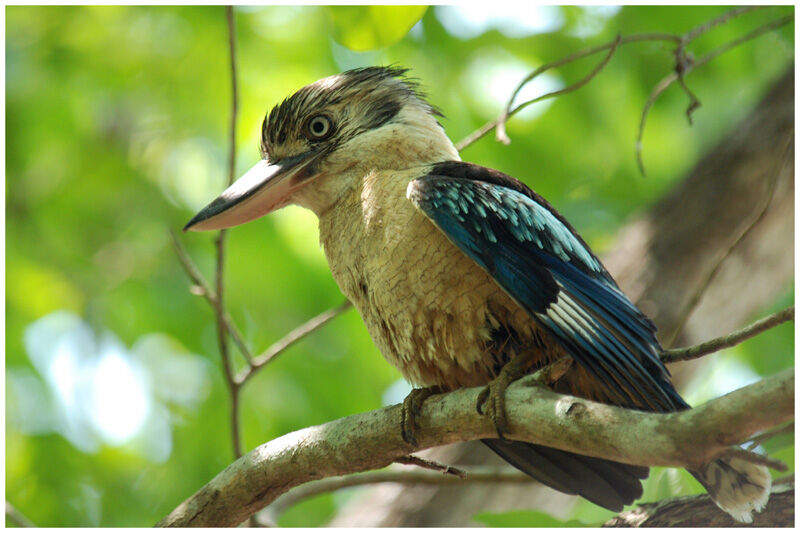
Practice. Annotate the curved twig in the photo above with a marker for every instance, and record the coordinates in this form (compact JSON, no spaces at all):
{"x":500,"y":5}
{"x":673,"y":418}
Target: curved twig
{"x":508,"y":112}
{"x":674,"y":76}
{"x":501,"y":122}
{"x":290,"y":338}
{"x":726,"y":341}
{"x":680,"y":40}
{"x":405,"y":476}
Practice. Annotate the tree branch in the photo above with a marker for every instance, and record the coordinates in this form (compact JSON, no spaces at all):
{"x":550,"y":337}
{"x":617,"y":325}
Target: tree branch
{"x":202,"y":288}
{"x":222,"y":330}
{"x":726,"y":341}
{"x":685,"y":68}
{"x":372,"y":440}
{"x":290,"y":338}
{"x":501,"y":122}
{"x":701,"y":511}
{"x":683,"y":65}
{"x":405,"y":476}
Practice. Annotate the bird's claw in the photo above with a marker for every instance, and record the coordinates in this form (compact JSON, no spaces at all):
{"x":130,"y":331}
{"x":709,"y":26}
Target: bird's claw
{"x":492,"y":403}
{"x":412,"y":407}
{"x":492,"y":399}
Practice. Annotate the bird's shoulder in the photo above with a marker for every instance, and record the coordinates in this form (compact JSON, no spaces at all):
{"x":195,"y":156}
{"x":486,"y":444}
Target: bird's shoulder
{"x":476,"y":204}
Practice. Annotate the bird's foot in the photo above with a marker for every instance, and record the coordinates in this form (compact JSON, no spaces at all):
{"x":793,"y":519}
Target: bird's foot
{"x":492,"y":399}
{"x":412,"y":407}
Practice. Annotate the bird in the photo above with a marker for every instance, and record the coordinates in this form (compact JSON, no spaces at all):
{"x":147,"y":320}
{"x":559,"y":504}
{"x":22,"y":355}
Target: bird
{"x":463,"y":275}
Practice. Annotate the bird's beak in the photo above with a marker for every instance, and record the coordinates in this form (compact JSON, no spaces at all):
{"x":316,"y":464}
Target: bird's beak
{"x":263,"y":189}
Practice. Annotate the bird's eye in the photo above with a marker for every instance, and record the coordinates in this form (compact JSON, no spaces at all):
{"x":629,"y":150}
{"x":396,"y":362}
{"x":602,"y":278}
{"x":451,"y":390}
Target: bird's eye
{"x":319,"y":127}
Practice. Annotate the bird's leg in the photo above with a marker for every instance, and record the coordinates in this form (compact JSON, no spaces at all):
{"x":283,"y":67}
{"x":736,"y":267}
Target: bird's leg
{"x":492,"y":401}
{"x":412,"y":406}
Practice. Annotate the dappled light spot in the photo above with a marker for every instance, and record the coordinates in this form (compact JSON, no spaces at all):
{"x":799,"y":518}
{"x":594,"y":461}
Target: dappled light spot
{"x":192,"y":172}
{"x":470,"y":20}
{"x":120,"y":397}
{"x":94,"y":391}
{"x":298,"y":227}
{"x":396,"y":392}
{"x":492,"y":77}
{"x":725,"y":375}
{"x":592,"y":20}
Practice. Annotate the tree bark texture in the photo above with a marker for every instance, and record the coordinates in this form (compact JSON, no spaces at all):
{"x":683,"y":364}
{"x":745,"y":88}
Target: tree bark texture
{"x":659,"y":260}
{"x":700,"y":511}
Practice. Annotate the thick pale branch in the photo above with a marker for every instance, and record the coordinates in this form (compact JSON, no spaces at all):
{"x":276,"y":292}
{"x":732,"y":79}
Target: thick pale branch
{"x":373,"y":440}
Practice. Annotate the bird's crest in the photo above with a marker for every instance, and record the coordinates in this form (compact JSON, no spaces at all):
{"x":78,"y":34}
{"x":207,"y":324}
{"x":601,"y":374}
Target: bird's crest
{"x":384,"y":90}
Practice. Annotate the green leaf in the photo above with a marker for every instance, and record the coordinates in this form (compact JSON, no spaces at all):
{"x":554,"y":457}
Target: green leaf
{"x":362,"y":28}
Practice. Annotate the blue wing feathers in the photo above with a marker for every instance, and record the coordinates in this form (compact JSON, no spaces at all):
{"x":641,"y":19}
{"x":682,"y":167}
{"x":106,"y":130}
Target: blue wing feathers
{"x":538,"y":259}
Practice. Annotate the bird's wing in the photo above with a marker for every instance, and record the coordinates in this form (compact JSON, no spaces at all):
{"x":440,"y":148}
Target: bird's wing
{"x":541,"y":262}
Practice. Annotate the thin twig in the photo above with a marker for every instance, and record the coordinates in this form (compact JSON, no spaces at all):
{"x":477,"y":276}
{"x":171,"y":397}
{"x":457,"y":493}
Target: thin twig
{"x":227,"y":363}
{"x":674,"y":76}
{"x":787,"y":428}
{"x":501,"y":122}
{"x":14,"y":515}
{"x":756,"y":458}
{"x":766,"y":28}
{"x":680,"y":40}
{"x":406,"y":476}
{"x":508,"y":112}
{"x":289,"y":339}
{"x":726,"y":341}
{"x":427,"y":464}
{"x":254,"y":362}
{"x":758,"y":215}
{"x":202,"y":288}
{"x":683,"y":63}
{"x":722,"y":19}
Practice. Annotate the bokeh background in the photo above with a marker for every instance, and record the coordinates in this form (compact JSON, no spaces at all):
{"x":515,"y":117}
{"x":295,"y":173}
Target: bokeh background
{"x":116,"y":133}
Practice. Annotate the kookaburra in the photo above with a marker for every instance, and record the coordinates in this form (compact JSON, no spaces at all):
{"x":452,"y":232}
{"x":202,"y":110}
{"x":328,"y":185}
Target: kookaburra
{"x":460,"y":271}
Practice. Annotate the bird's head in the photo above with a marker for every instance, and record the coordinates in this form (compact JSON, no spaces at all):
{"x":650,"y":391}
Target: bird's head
{"x":318,"y":142}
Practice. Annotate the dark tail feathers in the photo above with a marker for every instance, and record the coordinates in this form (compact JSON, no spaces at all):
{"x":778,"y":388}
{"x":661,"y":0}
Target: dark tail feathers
{"x":606,"y":483}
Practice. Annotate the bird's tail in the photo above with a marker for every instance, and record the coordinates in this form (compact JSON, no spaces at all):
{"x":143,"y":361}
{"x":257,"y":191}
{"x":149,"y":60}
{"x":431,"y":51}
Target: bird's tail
{"x":737,"y":486}
{"x":606,"y":483}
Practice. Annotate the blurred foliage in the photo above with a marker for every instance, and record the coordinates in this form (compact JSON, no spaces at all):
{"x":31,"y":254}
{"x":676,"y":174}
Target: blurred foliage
{"x":116,"y":131}
{"x":362,"y":28}
{"x":526,"y":519}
